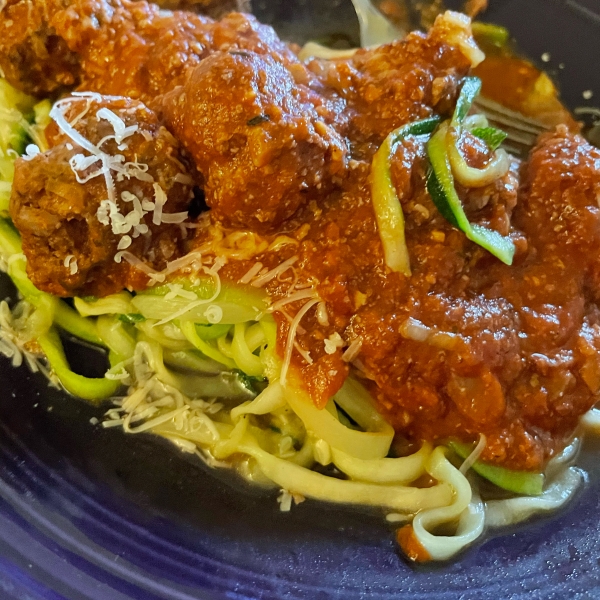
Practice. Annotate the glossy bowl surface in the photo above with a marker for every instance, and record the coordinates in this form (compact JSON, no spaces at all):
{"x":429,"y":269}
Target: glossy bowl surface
{"x":92,"y":514}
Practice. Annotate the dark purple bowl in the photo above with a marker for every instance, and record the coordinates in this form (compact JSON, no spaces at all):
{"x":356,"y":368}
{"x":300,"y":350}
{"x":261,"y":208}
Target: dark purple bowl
{"x":87,"y":513}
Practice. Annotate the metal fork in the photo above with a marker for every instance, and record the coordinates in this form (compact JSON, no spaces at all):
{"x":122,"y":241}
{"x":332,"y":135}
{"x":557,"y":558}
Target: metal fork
{"x":375,"y":27}
{"x":522,"y":132}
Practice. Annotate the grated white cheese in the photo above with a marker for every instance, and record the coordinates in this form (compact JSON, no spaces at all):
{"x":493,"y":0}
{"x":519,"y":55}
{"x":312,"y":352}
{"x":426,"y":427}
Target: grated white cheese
{"x":121,"y":130}
{"x":160,"y":198}
{"x":213,"y":272}
{"x":352,"y":351}
{"x":99,"y":163}
{"x":30,"y":152}
{"x":214,"y":314}
{"x":295,"y":297}
{"x":305,"y":354}
{"x":177,"y":290}
{"x":124,"y":242}
{"x":183,"y":178}
{"x":289,"y":345}
{"x":71,"y":263}
{"x":333,"y":342}
{"x":285,"y":501}
{"x":322,"y":316}
{"x":251,"y":273}
{"x":134,"y":261}
{"x":269,"y":275}
{"x":179,"y":217}
{"x":128,"y":196}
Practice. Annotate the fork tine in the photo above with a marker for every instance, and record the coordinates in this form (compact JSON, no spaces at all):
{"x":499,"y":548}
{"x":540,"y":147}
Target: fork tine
{"x":509,"y":117}
{"x":522,"y":131}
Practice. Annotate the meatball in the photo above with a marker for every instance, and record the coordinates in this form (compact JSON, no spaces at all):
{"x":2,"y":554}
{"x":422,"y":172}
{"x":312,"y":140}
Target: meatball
{"x":94,"y":206}
{"x":132,"y":48}
{"x":559,"y":206}
{"x":561,"y":186}
{"x":32,"y":57}
{"x":259,"y":138}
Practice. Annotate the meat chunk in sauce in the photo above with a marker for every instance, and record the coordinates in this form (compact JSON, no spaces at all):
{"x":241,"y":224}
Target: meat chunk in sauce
{"x":132,"y":48}
{"x":33,"y":57}
{"x":561,"y":188}
{"x":260,"y":138}
{"x":92,"y":195}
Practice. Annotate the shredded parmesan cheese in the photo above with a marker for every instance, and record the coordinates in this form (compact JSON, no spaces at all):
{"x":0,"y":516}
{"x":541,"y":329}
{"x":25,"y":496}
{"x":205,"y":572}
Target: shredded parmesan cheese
{"x":289,"y":346}
{"x":214,"y":314}
{"x":269,"y":275}
{"x":178,"y":290}
{"x":97,"y":162}
{"x":295,"y":297}
{"x":322,"y":316}
{"x":472,"y":458}
{"x":121,"y":130}
{"x":214,"y":273}
{"x":134,"y":261}
{"x":285,"y":501}
{"x":352,"y":351}
{"x":31,"y":151}
{"x":251,"y":273}
{"x":71,"y":263}
{"x":183,"y":178}
{"x":124,"y":242}
{"x":160,"y":198}
{"x":333,"y":342}
{"x":302,"y":352}
{"x":179,"y":217}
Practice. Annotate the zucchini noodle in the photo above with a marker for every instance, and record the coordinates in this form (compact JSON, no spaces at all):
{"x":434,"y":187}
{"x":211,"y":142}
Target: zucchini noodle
{"x":464,"y":507}
{"x":194,"y":360}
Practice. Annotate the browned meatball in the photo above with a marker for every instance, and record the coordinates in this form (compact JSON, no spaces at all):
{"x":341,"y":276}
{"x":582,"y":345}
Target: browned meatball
{"x":104,"y":186}
{"x":132,"y":48}
{"x":559,"y":204}
{"x":561,"y":186}
{"x":259,"y":138}
{"x":33,"y":58}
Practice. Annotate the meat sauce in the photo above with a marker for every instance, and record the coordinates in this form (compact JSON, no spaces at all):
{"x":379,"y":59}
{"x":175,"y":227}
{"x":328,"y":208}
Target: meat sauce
{"x":464,"y":346}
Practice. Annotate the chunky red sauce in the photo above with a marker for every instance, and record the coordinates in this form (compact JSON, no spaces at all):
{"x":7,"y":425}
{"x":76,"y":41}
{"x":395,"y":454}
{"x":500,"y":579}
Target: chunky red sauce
{"x":465,"y":345}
